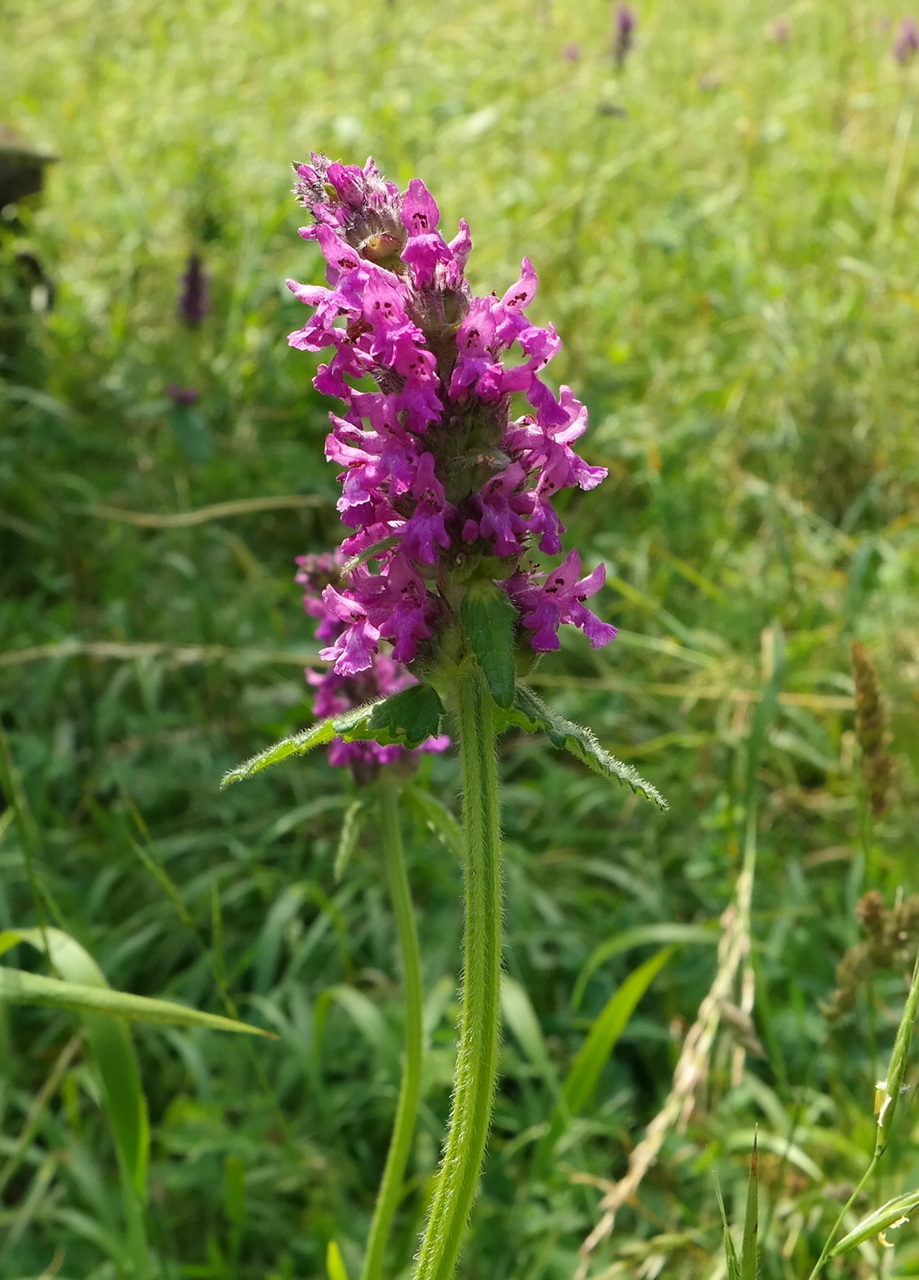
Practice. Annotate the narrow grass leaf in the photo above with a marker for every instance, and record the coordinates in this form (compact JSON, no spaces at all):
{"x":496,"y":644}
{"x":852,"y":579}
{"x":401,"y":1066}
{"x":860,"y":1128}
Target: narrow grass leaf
{"x":730,"y":1252}
{"x":606,"y":1030}
{"x":367,"y":1019}
{"x":748,"y":1254}
{"x":18,"y":987}
{"x":351,"y":827}
{"x":84,"y":989}
{"x":893,"y":1086}
{"x":593,"y":1055}
{"x":436,"y":817}
{"x":520,"y":1018}
{"x":892,"y":1214}
{"x":766,"y":708}
{"x":642,"y":934}
{"x":334,"y":1262}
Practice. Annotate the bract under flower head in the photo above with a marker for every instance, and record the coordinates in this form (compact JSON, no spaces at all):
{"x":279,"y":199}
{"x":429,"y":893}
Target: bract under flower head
{"x":440,"y":485}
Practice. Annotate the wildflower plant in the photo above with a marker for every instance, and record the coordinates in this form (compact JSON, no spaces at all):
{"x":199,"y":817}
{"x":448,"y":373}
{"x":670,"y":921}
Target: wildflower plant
{"x":437,"y":602}
{"x":624,"y":23}
{"x":188,"y":422}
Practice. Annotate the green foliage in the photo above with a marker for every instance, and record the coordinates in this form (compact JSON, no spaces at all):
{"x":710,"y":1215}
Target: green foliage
{"x":530,"y":713}
{"x":592,"y":1057}
{"x":725,"y":233}
{"x":488,"y":621}
{"x":744,"y":1265}
{"x":408,"y":718}
{"x":405,"y":719}
{"x":82,"y":988}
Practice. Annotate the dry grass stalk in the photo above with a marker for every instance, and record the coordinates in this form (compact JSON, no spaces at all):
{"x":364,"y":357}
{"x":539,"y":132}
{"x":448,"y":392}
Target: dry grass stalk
{"x":871,"y":731}
{"x":692,"y":1068}
{"x":891,"y":941}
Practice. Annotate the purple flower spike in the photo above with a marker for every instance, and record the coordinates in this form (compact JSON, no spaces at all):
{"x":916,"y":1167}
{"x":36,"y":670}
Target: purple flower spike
{"x":906,"y":45}
{"x":440,"y":486}
{"x":182,"y":396}
{"x":624,"y":38}
{"x":338,"y":691}
{"x":194,"y":302}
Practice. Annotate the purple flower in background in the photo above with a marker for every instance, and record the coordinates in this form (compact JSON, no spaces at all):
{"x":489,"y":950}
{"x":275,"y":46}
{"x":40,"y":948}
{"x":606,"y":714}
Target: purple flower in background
{"x":780,"y":31}
{"x":194,"y":302}
{"x":624,"y":40}
{"x":182,"y":396}
{"x":906,"y":45}
{"x":441,"y":488}
{"x":337,"y":692}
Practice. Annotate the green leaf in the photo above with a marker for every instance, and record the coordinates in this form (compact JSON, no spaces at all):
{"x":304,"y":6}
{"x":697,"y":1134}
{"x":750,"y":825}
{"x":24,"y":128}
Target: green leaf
{"x":19,"y":987}
{"x":191,"y":430}
{"x":606,"y":1030}
{"x":436,"y":817}
{"x":594,"y":1053}
{"x":406,"y":719}
{"x":351,"y":828}
{"x":730,"y":1253}
{"x":488,"y":619}
{"x":367,"y":1019}
{"x":892,"y":1087}
{"x":748,"y":1249}
{"x":531,"y":714}
{"x":297,"y":744}
{"x":83,"y":987}
{"x":640,"y":935}
{"x":519,"y":1016}
{"x":892,"y":1214}
{"x":766,"y":709}
{"x":334,"y":1262}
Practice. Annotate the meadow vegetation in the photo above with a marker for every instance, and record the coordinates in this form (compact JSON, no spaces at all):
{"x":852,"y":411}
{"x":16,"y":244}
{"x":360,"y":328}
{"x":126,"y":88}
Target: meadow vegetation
{"x":724,"y":227}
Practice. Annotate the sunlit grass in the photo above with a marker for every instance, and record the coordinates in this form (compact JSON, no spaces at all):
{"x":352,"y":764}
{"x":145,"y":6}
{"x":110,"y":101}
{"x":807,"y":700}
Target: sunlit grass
{"x":725,"y":235}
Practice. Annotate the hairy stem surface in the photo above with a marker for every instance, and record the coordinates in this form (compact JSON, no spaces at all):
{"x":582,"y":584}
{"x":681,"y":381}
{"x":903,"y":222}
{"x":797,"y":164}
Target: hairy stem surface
{"x":477,"y":1054}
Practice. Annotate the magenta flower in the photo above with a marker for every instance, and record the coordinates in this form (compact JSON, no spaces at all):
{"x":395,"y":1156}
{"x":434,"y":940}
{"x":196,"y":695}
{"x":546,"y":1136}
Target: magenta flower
{"x":182,"y":396}
{"x":624,"y":38}
{"x":906,"y":45}
{"x":339,"y":689}
{"x":546,"y":600}
{"x":194,"y":302}
{"x":440,"y":487}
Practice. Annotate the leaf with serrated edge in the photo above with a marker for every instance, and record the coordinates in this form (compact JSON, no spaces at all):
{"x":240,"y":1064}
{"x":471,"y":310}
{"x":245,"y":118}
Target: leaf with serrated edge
{"x":296,"y":745}
{"x":406,"y":719}
{"x":348,"y":725}
{"x":531,"y":714}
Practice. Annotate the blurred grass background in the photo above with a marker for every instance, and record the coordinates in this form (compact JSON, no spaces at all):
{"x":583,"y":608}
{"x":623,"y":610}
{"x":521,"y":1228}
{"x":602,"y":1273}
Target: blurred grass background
{"x":724,"y":229}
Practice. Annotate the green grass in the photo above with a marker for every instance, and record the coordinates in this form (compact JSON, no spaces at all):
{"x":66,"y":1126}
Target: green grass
{"x":730,"y":261}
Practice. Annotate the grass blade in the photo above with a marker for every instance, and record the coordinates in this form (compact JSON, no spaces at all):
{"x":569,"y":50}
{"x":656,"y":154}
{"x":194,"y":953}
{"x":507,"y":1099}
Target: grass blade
{"x":594,"y":1053}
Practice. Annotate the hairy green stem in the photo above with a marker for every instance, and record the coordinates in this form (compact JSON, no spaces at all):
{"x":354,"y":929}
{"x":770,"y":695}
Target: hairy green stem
{"x":390,"y":1192}
{"x":477,"y":1054}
